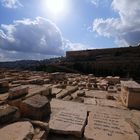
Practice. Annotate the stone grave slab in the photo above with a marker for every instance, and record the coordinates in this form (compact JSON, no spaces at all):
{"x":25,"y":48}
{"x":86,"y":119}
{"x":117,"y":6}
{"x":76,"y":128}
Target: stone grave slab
{"x":18,"y":92}
{"x":62,"y":94}
{"x":37,"y":89}
{"x":4,"y":86}
{"x":130,"y":94}
{"x":55,"y":91}
{"x":70,"y":121}
{"x":8,"y":114}
{"x":35,"y":107}
{"x":108,"y":124}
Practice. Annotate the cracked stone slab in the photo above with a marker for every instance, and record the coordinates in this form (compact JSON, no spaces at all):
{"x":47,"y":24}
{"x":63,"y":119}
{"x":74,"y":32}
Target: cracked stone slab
{"x":108,"y":125}
{"x":70,"y":121}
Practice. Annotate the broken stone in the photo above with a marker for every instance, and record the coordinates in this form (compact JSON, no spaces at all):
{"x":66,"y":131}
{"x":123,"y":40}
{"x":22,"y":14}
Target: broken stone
{"x":55,"y":91}
{"x":113,"y":80}
{"x":57,"y":76}
{"x":69,"y":122}
{"x":17,"y":131}
{"x":72,"y":89}
{"x":69,"y":90}
{"x":15,"y":102}
{"x":37,"y":89}
{"x":112,"y":89}
{"x":96,"y":94}
{"x":35,"y":107}
{"x":39,"y":134}
{"x":17,"y":92}
{"x":62,"y":94}
{"x":108,"y":125}
{"x":8,"y":114}
{"x":42,"y":125}
{"x":135,"y":121}
{"x":80,"y":93}
{"x":110,"y":96}
{"x":67,"y":98}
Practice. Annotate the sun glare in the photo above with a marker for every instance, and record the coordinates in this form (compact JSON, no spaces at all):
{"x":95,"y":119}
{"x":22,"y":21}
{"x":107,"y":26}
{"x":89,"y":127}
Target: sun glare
{"x":56,"y":7}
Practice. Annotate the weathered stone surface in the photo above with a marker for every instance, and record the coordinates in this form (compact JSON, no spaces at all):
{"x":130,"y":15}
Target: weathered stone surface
{"x":35,"y":107}
{"x":37,"y":89}
{"x":112,"y":89}
{"x":54,"y":136}
{"x":62,"y":94}
{"x":130,"y":94}
{"x":108,"y":125}
{"x":55,"y":91}
{"x":4,"y":96}
{"x":80,"y":93}
{"x":17,"y":92}
{"x":103,"y":102}
{"x":4,"y":86}
{"x":39,"y":134}
{"x":96,"y":94}
{"x":57,"y":76}
{"x":42,"y":125}
{"x":113,"y":80}
{"x":15,"y":102}
{"x":8,"y":114}
{"x":72,"y":89}
{"x":17,"y":131}
{"x":58,"y":105}
{"x":135,"y":121}
{"x":67,"y":98}
{"x":109,"y":103}
{"x":70,"y":121}
{"x":68,"y":91}
{"x":91,"y":101}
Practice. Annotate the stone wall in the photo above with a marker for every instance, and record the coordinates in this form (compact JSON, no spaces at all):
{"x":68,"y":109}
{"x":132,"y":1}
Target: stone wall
{"x":104,"y":54}
{"x":112,"y":61}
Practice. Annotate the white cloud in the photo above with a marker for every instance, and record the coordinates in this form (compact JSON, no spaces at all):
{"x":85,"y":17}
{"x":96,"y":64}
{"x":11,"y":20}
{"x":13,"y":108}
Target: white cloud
{"x":95,"y":2}
{"x":33,"y":39}
{"x":125,"y":29}
{"x":11,"y":3}
{"x":68,"y":45}
{"x":38,"y":36}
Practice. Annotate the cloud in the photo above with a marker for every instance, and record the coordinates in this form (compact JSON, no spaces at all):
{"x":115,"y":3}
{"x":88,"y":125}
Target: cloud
{"x":35,"y":36}
{"x":95,"y":2}
{"x":69,"y":46}
{"x":125,"y":29}
{"x":11,"y":3}
{"x":33,"y":39}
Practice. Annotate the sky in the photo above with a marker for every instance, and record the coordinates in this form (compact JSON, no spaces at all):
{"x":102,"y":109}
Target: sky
{"x":40,"y":29}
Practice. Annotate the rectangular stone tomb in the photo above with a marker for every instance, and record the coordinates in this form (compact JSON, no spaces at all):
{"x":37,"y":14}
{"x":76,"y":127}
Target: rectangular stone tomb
{"x":35,"y":107}
{"x":4,"y":86}
{"x":8,"y":114}
{"x":18,"y":92}
{"x":69,"y":122}
{"x":106,"y":125}
{"x":130,"y":94}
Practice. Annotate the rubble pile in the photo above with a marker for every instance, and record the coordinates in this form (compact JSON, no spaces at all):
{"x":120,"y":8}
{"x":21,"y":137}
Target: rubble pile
{"x":58,"y":106}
